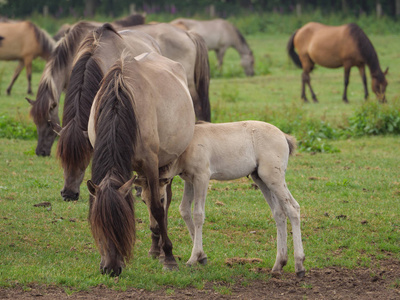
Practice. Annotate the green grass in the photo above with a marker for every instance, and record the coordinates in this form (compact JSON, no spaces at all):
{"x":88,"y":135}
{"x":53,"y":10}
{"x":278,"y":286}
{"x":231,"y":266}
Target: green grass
{"x":349,"y":199}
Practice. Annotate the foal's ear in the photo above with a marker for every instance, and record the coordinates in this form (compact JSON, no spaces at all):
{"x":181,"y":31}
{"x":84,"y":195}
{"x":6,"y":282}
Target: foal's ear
{"x":30,"y":101}
{"x":140,"y":181}
{"x":386,"y":71}
{"x":126,"y":188}
{"x":92,"y":188}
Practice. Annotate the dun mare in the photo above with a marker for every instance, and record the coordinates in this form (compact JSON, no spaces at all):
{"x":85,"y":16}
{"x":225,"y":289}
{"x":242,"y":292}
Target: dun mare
{"x":334,"y":47}
{"x":229,"y":151}
{"x":219,"y":35}
{"x":54,"y":80}
{"x":24,"y":41}
{"x":186,"y":48}
{"x":97,"y":53}
{"x":142,"y":119}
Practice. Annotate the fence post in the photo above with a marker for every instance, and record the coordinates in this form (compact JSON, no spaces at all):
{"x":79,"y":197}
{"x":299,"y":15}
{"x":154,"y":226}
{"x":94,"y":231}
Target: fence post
{"x":45,"y":11}
{"x":378,"y":9}
{"x":132,"y":9}
{"x":298,"y":9}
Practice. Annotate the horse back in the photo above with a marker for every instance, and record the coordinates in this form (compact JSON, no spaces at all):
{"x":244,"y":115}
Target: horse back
{"x":19,"y":41}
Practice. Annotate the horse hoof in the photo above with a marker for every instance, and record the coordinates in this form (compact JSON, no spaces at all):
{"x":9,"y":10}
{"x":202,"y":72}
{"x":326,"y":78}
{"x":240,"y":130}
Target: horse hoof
{"x":203,"y":261}
{"x":154,"y":254}
{"x":276,"y":274}
{"x":301,"y":274}
{"x":170,"y":266}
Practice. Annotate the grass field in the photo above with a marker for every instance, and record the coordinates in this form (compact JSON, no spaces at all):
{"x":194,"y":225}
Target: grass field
{"x":350,"y":200}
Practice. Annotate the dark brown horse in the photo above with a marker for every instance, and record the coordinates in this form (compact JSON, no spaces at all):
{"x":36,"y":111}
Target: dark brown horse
{"x":54,"y":80}
{"x":334,"y":47}
{"x":24,"y":41}
{"x":98,"y":52}
{"x":142,"y":119}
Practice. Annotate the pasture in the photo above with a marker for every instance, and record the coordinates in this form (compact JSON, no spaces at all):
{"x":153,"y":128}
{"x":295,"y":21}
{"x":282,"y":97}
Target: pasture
{"x":349,"y":197}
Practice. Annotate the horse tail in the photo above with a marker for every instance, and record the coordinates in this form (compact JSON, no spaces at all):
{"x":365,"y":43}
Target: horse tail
{"x":74,"y":149}
{"x":292,"y":53}
{"x":46,"y":42}
{"x":202,"y":75}
{"x":291,"y":140}
{"x":112,"y":214}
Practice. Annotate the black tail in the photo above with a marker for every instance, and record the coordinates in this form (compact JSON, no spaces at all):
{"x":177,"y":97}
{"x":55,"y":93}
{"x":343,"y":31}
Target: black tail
{"x":291,"y":51}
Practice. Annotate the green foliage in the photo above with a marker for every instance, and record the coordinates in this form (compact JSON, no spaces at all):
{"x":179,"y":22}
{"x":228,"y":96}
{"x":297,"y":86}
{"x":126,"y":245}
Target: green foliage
{"x":375,"y":119}
{"x":11,"y":128}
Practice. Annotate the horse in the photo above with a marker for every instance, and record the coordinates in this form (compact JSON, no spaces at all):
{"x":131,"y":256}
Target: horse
{"x":228,"y":151}
{"x":24,"y":41}
{"x":131,"y":20}
{"x":98,"y":52}
{"x":219,"y":35}
{"x":142,"y":118}
{"x":334,"y":47}
{"x":54,"y":80}
{"x":186,"y":48}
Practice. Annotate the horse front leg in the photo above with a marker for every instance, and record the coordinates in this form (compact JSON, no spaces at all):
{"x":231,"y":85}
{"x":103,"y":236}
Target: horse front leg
{"x":28,"y":64}
{"x":364,"y":81}
{"x":220,"y":53}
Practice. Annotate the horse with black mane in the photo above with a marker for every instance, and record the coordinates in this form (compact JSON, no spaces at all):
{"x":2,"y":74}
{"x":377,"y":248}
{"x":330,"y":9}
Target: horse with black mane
{"x":142,"y":119}
{"x":24,"y":41}
{"x":334,"y":47}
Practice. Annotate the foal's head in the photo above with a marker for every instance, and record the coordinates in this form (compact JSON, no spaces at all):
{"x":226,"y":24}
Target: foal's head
{"x":146,"y":196}
{"x":379,"y":84}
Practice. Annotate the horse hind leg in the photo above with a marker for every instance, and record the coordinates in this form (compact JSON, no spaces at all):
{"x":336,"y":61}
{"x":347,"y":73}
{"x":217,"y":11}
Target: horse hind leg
{"x":15,"y":76}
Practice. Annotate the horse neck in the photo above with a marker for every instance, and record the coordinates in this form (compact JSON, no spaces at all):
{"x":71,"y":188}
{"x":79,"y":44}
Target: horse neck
{"x":241,"y":45}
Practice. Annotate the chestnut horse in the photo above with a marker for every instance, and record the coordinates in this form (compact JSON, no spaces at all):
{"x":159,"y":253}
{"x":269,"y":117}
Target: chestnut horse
{"x":142,"y":119}
{"x":334,"y":47}
{"x":228,"y":151}
{"x":219,"y":35}
{"x":24,"y":41}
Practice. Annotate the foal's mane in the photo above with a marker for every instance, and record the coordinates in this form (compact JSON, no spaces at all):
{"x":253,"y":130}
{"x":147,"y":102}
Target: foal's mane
{"x":73,"y":147}
{"x":116,"y":136}
{"x":366,"y":49}
{"x":44,"y":39}
{"x":48,"y":94}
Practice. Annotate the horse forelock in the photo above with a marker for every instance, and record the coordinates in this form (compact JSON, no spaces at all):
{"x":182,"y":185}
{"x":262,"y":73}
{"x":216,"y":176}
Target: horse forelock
{"x":45,"y":98}
{"x":365,"y":47}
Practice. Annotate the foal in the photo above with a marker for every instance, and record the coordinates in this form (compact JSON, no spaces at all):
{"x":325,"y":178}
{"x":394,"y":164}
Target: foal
{"x":230,"y":151}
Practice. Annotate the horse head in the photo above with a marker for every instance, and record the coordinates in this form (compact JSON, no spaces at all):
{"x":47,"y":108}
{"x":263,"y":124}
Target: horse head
{"x":111,"y":217}
{"x":379,"y":84}
{"x":46,"y":134}
{"x":247,"y":62}
{"x":145,"y":191}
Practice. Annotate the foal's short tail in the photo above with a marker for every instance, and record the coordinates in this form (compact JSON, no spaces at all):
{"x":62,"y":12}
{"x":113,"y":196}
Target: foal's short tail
{"x":291,"y":140}
{"x":202,"y":75}
{"x":291,"y":51}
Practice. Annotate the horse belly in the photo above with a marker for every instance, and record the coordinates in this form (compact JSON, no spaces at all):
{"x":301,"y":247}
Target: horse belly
{"x":232,"y":166}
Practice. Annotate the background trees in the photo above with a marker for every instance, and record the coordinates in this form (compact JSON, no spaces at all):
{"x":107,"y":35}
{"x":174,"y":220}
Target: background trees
{"x":222,"y":8}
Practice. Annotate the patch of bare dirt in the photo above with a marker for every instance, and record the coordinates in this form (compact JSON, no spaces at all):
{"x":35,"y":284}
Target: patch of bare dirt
{"x":381,"y":282}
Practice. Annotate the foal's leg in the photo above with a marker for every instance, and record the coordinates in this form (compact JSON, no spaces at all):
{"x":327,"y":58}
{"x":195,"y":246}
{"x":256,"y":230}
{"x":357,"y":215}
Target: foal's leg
{"x":364,"y":80}
{"x":15,"y":76}
{"x":186,"y":207}
{"x":346,"y":82}
{"x":281,"y":224}
{"x":200,"y":185}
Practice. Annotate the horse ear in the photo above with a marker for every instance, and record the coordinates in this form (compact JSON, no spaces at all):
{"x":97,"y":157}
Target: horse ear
{"x":92,"y":188}
{"x":140,"y":181}
{"x":126,"y":188}
{"x":30,"y":101}
{"x":56,"y":127}
{"x":164,"y":181}
{"x":386,"y":71}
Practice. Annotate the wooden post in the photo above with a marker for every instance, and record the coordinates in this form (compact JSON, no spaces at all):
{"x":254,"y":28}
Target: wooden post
{"x":45,"y":11}
{"x":397,"y":7}
{"x":345,"y":7}
{"x":132,"y":9}
{"x":212,"y":10}
{"x":378,"y":9}
{"x":298,"y":9}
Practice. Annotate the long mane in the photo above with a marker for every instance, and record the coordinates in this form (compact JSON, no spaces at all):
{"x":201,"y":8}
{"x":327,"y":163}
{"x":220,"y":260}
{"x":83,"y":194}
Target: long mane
{"x":242,"y":40}
{"x":365,"y":47}
{"x":73,"y":147}
{"x":48,"y":93}
{"x":111,"y":215}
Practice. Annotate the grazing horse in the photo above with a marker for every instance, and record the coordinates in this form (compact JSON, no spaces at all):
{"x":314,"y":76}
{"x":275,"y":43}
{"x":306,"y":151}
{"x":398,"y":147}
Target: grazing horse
{"x":132,"y":20}
{"x":142,"y":119}
{"x":54,"y":80}
{"x":97,"y":53}
{"x":24,"y":41}
{"x":219,"y":35}
{"x":334,"y":47}
{"x":230,"y":151}
{"x":187,"y":48}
